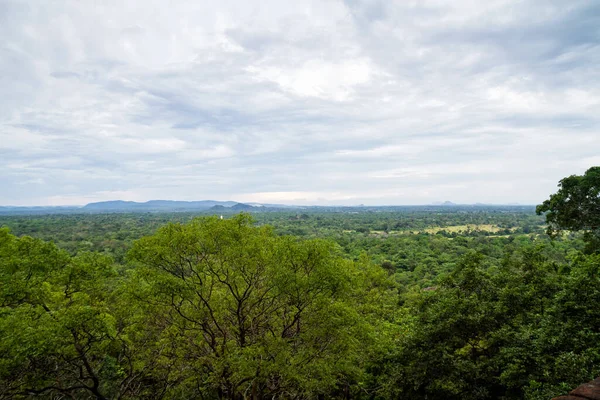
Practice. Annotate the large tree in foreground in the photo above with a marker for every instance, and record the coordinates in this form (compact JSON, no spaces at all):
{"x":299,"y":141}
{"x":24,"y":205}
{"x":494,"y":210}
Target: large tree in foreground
{"x":249,"y":314}
{"x":63,"y":331}
{"x":215,"y":309}
{"x":576,"y":207}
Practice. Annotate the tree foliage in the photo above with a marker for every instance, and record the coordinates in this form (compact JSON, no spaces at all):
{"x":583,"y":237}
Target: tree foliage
{"x":576,"y":207}
{"x":251,"y":311}
{"x":60,"y":334}
{"x":440,"y":303}
{"x":213,"y":308}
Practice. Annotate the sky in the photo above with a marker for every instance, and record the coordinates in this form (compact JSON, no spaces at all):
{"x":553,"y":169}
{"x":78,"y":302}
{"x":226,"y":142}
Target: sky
{"x":296,"y":102}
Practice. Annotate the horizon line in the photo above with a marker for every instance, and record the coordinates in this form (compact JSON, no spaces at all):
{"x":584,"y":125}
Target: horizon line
{"x":359,"y":205}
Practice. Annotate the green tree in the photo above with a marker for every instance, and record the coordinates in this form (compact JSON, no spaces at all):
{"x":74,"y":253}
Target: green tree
{"x":63,"y":333}
{"x":249,"y":313}
{"x":576,"y":207}
{"x":566,"y":342}
{"x":445,"y":353}
{"x":481,"y":333}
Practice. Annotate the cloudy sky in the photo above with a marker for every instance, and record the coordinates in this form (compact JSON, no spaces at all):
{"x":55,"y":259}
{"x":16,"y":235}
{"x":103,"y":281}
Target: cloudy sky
{"x":299,"y":102}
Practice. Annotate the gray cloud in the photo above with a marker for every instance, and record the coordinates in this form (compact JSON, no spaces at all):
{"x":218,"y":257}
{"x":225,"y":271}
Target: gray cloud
{"x":305,"y":102}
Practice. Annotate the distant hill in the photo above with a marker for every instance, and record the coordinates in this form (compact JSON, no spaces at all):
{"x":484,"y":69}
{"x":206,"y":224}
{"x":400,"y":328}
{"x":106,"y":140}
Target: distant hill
{"x":110,"y":205}
{"x":156,"y":205}
{"x":445,"y":203}
{"x":242,"y":207}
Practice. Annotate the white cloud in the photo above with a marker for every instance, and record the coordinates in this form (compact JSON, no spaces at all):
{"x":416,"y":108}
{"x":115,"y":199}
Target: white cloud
{"x":316,"y":78}
{"x":310,"y":101}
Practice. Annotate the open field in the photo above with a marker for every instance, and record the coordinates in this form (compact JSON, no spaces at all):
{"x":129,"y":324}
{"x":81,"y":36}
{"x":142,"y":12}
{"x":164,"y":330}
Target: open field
{"x":464,"y":228}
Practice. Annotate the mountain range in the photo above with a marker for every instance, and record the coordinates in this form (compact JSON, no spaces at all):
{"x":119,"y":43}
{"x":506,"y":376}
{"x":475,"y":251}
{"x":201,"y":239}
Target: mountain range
{"x":157,"y":205}
{"x":122,"y":206}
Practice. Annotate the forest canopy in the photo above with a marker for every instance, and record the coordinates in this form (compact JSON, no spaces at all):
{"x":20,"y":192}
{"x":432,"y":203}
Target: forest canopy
{"x":576,"y":207}
{"x":211,"y":308}
{"x":447,"y":303}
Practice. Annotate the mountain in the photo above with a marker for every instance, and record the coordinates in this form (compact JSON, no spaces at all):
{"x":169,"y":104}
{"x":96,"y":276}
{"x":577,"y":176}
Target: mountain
{"x":242,"y":207}
{"x":110,"y":205}
{"x":214,"y":206}
{"x":156,"y":205}
{"x":448,"y":203}
{"x":445,"y":203}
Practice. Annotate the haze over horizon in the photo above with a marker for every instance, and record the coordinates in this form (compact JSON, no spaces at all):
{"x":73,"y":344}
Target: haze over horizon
{"x":323,"y":203}
{"x":310,"y":102}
